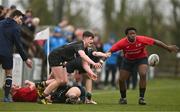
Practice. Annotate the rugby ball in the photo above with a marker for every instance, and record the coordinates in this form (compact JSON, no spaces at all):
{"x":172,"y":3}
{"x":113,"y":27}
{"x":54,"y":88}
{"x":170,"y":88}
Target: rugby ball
{"x":153,"y":60}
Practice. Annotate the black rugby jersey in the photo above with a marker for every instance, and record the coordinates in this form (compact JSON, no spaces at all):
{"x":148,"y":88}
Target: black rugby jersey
{"x":68,"y":51}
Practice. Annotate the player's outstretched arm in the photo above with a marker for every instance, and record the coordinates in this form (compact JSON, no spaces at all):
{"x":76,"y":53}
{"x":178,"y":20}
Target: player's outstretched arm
{"x":86,"y":58}
{"x":170,"y":48}
{"x":101,"y":54}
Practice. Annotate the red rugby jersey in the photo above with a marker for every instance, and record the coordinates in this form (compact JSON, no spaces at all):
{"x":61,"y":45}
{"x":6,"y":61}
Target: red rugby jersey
{"x":25,"y":94}
{"x":133,"y":50}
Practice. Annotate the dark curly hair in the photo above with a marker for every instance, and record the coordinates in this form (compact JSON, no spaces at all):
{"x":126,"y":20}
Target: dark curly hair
{"x":128,"y":29}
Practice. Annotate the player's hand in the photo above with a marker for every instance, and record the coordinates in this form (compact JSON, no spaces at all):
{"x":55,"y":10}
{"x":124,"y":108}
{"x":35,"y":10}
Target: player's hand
{"x":108,"y":54}
{"x":92,"y":76}
{"x":173,"y":48}
{"x":29,"y":63}
{"x":97,"y":65}
{"x":26,"y":82}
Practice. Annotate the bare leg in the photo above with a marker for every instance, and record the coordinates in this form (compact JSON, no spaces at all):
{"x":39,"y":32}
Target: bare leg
{"x":88,"y":85}
{"x":60,"y":77}
{"x":88,"y":82}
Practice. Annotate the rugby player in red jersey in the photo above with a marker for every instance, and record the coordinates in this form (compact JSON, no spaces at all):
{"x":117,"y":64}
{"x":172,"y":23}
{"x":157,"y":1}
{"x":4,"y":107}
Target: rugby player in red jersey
{"x":28,"y":93}
{"x":135,"y":55}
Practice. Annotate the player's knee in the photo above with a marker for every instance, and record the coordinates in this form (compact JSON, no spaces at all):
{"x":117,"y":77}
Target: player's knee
{"x":142,"y":72}
{"x":142,"y":76}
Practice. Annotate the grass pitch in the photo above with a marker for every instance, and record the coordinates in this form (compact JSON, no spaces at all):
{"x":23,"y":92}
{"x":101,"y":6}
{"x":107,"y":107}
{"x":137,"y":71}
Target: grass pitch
{"x":161,"y":95}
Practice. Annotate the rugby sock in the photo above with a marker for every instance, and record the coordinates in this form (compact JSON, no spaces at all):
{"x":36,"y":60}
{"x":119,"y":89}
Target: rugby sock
{"x":88,"y":95}
{"x":43,"y":96}
{"x":7,"y":87}
{"x":123,"y":93}
{"x":41,"y":84}
{"x":142,"y":92}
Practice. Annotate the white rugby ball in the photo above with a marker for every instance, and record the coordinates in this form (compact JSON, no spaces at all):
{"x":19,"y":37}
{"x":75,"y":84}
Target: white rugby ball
{"x":153,"y":60}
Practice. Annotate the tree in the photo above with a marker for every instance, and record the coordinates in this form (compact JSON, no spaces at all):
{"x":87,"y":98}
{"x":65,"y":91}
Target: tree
{"x":58,"y":10}
{"x":176,"y":25}
{"x":108,"y":11}
{"x":40,"y":9}
{"x":77,"y":16}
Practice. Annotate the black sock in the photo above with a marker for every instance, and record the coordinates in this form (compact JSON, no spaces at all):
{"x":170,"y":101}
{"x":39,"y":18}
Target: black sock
{"x":123,"y":93}
{"x":7,"y":87}
{"x":43,"y":96}
{"x":88,"y":96}
{"x":41,"y":84}
{"x":142,"y":92}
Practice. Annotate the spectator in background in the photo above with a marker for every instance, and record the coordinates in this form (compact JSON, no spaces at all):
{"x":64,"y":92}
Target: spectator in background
{"x":2,"y":12}
{"x":28,"y":30}
{"x":35,"y":21}
{"x":98,"y":43}
{"x":68,"y":32}
{"x":28,"y":20}
{"x":10,"y":10}
{"x":13,"y":7}
{"x":56,"y":40}
{"x":78,"y":34}
{"x":63,"y":23}
{"x":36,"y":48}
{"x":111,"y":63}
{"x":10,"y":36}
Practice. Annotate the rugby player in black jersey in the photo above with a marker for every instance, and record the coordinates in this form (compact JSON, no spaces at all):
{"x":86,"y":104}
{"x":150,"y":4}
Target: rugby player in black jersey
{"x":64,"y":54}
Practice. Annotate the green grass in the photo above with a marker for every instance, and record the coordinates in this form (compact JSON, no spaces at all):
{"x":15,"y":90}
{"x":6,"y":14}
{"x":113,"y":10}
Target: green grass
{"x":161,"y":95}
